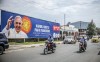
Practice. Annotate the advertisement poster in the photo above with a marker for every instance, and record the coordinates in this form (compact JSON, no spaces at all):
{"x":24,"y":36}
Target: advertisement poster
{"x":0,"y":28}
{"x":21,"y":26}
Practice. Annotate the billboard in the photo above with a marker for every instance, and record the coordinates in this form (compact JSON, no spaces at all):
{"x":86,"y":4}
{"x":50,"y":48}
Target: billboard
{"x":0,"y":20}
{"x":20,"y":26}
{"x":0,"y":28}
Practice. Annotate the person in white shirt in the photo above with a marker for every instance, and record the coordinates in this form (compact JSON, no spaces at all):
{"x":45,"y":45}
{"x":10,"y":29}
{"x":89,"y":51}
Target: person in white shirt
{"x":15,"y":32}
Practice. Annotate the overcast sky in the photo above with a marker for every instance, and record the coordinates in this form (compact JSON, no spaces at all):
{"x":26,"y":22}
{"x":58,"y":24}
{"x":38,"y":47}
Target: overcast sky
{"x":51,"y":10}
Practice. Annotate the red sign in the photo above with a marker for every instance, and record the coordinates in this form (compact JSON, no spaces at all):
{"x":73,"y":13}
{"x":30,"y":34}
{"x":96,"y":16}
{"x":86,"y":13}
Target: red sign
{"x":56,"y":28}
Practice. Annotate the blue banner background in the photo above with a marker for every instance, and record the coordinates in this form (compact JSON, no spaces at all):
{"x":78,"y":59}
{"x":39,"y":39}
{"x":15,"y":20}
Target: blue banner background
{"x":32,"y":34}
{"x":0,"y":28}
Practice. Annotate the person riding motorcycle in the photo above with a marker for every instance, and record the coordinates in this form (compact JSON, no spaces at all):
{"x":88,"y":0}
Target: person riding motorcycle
{"x":50,"y":40}
{"x":83,"y":41}
{"x":49,"y":45}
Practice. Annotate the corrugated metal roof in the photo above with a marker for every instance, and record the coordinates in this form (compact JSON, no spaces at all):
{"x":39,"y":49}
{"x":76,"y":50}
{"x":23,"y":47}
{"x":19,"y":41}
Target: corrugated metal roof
{"x":80,"y":24}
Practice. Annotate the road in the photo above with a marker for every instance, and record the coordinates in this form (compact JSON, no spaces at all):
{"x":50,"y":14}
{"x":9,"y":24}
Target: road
{"x":64,"y":53}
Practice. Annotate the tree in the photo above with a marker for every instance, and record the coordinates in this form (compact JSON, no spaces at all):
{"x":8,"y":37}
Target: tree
{"x":91,"y":30}
{"x":98,"y":31}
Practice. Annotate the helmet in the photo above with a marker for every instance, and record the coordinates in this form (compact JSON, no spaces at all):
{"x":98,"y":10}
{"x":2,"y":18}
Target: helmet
{"x":50,"y":35}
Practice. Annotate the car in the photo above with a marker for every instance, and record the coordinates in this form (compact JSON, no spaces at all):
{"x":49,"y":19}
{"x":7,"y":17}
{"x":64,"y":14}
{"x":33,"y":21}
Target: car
{"x":3,"y":43}
{"x":69,"y":40}
{"x":99,"y":36}
{"x":95,"y":39}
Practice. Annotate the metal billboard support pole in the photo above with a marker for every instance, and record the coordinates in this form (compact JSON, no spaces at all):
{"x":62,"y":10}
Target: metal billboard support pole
{"x":24,"y":40}
{"x":38,"y":39}
{"x":62,"y":35}
{"x":56,"y":38}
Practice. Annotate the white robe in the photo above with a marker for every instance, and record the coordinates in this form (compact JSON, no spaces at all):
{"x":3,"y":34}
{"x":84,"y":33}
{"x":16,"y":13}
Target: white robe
{"x":11,"y":33}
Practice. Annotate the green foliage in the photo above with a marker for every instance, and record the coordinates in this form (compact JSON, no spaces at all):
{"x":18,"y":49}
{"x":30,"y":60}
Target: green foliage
{"x":91,"y":30}
{"x":25,"y":43}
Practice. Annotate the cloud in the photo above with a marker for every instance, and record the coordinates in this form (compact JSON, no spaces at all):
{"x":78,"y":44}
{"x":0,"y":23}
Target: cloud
{"x":84,"y":1}
{"x":52,"y":10}
{"x":45,"y":4}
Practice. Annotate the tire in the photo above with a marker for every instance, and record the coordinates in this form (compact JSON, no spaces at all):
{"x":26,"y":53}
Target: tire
{"x":80,"y":50}
{"x":45,"y":51}
{"x":53,"y":50}
{"x":1,"y":50}
{"x":83,"y":49}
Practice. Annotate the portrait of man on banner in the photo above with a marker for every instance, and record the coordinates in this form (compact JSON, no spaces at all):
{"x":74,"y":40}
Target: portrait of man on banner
{"x":15,"y":32}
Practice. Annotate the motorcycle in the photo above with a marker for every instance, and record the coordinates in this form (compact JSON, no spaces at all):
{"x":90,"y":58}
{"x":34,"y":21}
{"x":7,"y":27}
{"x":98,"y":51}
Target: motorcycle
{"x":49,"y":47}
{"x":81,"y":47}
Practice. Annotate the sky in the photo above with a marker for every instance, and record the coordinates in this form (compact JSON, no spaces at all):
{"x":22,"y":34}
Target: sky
{"x":54,"y":10}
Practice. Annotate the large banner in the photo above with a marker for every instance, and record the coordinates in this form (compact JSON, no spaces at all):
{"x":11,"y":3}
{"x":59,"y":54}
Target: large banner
{"x":0,"y":28}
{"x":0,"y":20}
{"x":20,"y":26}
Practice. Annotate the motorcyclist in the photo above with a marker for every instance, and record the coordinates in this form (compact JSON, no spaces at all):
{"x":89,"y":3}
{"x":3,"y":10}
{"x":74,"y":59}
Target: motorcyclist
{"x":50,"y":40}
{"x":83,"y":41}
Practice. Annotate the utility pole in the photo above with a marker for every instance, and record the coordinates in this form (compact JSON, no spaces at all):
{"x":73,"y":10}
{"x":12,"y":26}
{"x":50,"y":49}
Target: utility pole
{"x":63,"y":32}
{"x":56,"y":36}
{"x":80,"y":29}
{"x":55,"y":21}
{"x":64,"y":21}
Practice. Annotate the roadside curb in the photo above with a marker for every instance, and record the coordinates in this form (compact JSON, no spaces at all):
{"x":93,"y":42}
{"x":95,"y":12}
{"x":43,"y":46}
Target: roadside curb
{"x":43,"y":44}
{"x":14,"y":47}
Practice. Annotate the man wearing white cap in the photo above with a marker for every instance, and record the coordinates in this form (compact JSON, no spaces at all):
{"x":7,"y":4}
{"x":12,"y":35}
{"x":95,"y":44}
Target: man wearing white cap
{"x":16,"y":31}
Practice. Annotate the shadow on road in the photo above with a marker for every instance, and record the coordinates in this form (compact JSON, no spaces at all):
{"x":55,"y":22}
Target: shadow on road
{"x":78,"y":52}
{"x":99,"y":53}
{"x":44,"y":54}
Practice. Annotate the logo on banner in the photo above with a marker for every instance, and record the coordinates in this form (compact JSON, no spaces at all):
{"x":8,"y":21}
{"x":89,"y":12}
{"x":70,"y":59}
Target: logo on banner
{"x":56,"y":28}
{"x":27,"y":25}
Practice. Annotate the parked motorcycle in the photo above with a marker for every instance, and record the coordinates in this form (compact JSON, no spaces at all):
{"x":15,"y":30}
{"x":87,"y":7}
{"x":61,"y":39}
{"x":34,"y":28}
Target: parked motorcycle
{"x":49,"y":47}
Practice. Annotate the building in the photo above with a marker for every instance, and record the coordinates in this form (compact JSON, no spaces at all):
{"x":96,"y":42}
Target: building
{"x":68,"y":31}
{"x":81,"y":26}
